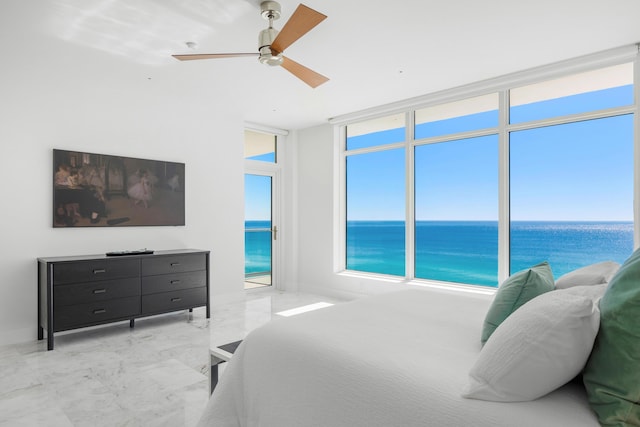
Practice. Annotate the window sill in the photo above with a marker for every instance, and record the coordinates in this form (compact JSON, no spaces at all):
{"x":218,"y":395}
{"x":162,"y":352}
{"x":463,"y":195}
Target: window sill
{"x":434,"y":284}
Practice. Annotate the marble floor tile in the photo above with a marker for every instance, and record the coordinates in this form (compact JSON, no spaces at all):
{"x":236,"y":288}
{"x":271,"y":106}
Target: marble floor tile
{"x":33,"y":406}
{"x":155,"y":374}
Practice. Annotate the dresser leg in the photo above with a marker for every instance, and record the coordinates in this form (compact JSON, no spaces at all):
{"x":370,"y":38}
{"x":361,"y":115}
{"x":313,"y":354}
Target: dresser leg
{"x":49,"y":340}
{"x":40,"y":333}
{"x":132,"y":323}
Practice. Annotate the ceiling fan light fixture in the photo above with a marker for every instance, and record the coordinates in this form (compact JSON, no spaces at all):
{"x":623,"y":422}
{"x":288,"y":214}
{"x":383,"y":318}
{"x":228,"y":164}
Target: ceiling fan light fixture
{"x":268,"y":58}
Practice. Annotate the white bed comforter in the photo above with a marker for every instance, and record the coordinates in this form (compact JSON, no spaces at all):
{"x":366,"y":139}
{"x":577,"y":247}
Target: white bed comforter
{"x":399,"y":359}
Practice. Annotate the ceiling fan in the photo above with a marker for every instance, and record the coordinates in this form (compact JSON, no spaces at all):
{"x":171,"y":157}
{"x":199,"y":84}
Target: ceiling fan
{"x":272,"y":42}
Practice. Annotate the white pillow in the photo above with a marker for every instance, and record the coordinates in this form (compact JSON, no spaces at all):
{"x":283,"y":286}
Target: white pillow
{"x":595,"y":292}
{"x":541,"y":346}
{"x":594,"y":274}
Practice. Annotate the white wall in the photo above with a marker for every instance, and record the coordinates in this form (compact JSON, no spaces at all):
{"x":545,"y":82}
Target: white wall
{"x":54,"y":94}
{"x":288,"y":279}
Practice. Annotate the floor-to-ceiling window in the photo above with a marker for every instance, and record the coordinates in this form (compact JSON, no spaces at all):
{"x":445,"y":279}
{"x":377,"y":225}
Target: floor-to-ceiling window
{"x":375,"y":229}
{"x":571,"y":163}
{"x":424,"y":187}
{"x":456,"y":191}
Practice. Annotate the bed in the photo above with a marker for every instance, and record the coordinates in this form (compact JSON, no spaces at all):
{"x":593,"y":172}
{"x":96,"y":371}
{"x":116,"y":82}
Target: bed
{"x":398,"y":359}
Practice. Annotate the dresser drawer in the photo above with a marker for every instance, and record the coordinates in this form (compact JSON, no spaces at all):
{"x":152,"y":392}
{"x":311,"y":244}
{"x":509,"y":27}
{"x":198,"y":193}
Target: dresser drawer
{"x":173,"y":264}
{"x":173,"y":282}
{"x":90,"y":292}
{"x":73,"y":316}
{"x":92,"y":270}
{"x":172,"y":301}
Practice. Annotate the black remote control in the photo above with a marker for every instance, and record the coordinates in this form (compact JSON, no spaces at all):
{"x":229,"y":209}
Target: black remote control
{"x":134,"y":252}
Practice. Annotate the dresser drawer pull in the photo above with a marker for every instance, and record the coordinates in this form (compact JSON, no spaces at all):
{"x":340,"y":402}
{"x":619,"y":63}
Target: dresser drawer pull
{"x":175,"y":299}
{"x":173,"y":282}
{"x":173,"y":264}
{"x":99,"y":291}
{"x":99,"y":271}
{"x":99,"y":311}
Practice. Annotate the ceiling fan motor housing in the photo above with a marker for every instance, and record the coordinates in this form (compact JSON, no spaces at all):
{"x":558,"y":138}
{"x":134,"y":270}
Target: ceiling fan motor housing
{"x":266,"y":55}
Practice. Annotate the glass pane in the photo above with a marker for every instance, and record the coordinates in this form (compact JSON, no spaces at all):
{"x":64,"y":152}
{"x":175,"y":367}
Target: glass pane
{"x":594,"y":90}
{"x":376,"y":212}
{"x":456,"y":197}
{"x":259,"y":146}
{"x":572,"y":194}
{"x":470,"y":114}
{"x":372,"y":133}
{"x":257,"y":236}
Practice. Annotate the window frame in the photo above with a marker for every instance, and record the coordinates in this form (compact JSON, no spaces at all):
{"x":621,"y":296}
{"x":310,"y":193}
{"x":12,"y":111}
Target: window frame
{"x":502,"y":86}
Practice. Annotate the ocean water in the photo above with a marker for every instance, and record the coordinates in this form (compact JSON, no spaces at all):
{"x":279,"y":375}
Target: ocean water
{"x":465,"y":251}
{"x":257,"y":247}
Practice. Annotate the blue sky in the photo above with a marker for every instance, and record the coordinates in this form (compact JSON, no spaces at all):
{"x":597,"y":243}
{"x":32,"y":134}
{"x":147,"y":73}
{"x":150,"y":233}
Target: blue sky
{"x":574,"y":172}
{"x":257,"y":197}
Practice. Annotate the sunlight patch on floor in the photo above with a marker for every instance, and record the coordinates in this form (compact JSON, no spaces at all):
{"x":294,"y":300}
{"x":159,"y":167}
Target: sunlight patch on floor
{"x":304,"y":309}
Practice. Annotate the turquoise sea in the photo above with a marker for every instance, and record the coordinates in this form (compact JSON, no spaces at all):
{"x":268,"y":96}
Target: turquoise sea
{"x":257,"y":247}
{"x":467,"y":251}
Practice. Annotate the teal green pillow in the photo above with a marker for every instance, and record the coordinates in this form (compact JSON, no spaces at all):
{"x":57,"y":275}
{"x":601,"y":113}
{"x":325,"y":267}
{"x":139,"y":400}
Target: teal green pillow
{"x":514,"y":292}
{"x":612,"y":374}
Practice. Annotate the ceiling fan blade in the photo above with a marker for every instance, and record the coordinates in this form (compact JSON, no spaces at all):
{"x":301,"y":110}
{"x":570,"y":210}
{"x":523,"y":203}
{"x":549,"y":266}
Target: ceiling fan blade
{"x":305,"y":74}
{"x":301,"y":22}
{"x":194,"y":56}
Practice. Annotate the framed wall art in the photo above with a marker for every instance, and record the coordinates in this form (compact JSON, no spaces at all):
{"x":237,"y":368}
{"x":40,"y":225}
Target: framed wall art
{"x":98,"y":190}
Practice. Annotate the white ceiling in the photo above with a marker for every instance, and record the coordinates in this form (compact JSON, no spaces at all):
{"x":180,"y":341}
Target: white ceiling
{"x":375,"y":52}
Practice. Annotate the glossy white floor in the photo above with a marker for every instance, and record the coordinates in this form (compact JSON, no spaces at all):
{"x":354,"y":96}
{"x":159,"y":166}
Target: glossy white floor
{"x":153,"y":375}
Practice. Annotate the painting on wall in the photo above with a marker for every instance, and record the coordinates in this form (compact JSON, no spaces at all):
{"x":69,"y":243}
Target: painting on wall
{"x":98,"y":190}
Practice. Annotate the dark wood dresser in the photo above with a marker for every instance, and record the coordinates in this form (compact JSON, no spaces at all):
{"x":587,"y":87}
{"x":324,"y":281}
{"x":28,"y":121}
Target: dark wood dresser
{"x":79,"y":291}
